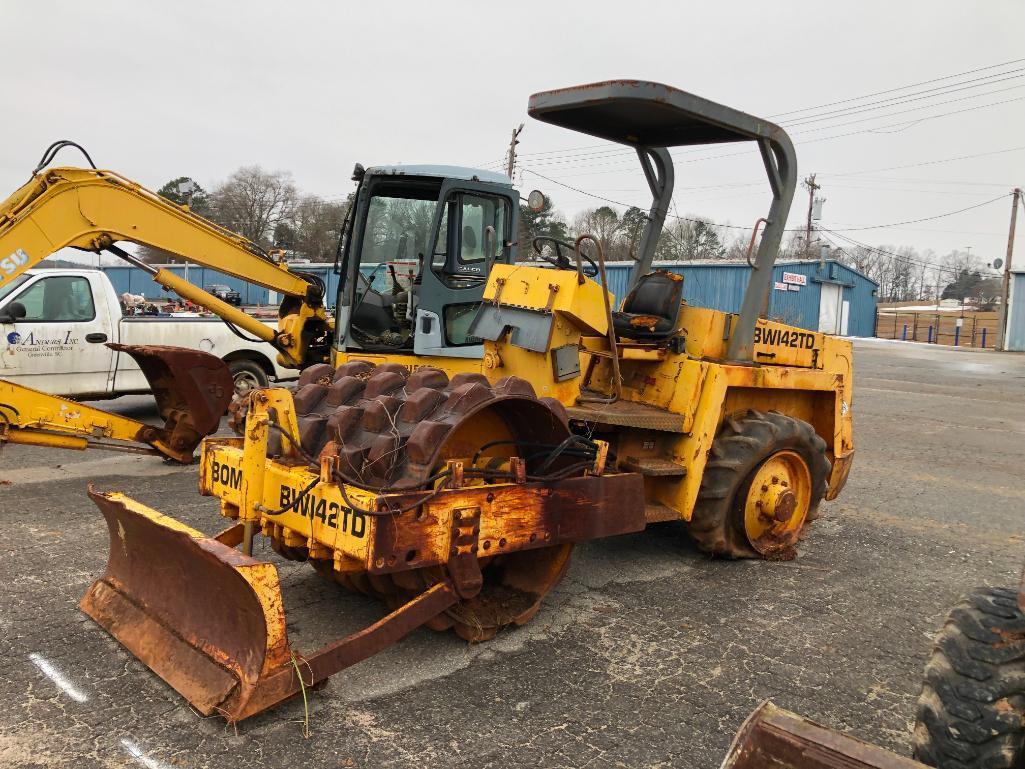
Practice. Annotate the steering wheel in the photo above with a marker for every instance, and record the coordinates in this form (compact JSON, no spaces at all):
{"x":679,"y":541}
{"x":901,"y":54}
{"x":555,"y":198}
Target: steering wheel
{"x":561,"y":261}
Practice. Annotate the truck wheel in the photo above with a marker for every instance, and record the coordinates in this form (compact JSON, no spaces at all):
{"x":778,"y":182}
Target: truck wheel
{"x":248,"y":375}
{"x":765,"y":476}
{"x":972,"y":709}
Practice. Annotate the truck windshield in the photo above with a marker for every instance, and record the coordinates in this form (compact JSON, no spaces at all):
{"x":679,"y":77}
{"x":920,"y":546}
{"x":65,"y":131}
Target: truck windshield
{"x":7,"y":289}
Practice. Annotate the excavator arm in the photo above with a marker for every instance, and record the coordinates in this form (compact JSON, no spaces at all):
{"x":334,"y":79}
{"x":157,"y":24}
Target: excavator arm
{"x":93,"y":210}
{"x":192,"y":390}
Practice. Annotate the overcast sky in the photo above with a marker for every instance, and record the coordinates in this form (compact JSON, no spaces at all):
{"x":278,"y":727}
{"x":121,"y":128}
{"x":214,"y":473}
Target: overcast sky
{"x":158,"y":90}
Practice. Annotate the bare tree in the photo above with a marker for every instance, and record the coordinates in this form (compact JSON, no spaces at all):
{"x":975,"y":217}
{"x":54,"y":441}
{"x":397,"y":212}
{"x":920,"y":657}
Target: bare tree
{"x":313,"y":228}
{"x":253,"y":202}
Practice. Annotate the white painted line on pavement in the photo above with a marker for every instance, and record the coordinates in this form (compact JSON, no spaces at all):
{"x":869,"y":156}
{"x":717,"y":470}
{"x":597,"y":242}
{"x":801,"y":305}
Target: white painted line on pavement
{"x":132,"y":749}
{"x":48,"y":670}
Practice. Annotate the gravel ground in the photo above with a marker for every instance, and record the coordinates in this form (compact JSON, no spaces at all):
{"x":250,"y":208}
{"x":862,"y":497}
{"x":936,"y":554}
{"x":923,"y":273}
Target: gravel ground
{"x":647,"y":655}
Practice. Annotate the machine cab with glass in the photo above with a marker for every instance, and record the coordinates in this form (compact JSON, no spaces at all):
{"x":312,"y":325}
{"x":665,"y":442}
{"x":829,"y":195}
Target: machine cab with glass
{"x":418,"y":245}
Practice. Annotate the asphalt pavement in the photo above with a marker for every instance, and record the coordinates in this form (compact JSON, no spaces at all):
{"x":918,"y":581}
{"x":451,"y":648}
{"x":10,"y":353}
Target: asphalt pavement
{"x":648,"y":654}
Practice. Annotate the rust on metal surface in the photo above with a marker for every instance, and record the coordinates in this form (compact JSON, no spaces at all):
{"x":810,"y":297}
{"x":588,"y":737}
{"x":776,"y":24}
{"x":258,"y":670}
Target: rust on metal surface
{"x":392,"y":428}
{"x":838,"y":476}
{"x":645,"y":321}
{"x":625,"y":413}
{"x":1021,"y":592}
{"x":209,"y":620}
{"x":205,"y":618}
{"x":192,"y":389}
{"x":773,"y":738}
{"x":511,"y":518}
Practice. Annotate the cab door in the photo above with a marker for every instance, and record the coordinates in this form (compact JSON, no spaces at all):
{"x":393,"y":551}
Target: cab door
{"x":58,"y":346}
{"x":472,"y":234}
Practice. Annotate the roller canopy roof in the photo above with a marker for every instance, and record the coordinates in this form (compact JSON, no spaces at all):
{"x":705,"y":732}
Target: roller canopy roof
{"x":645,"y":114}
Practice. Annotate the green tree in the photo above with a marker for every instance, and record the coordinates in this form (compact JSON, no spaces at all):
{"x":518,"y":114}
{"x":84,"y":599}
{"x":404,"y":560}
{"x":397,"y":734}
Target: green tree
{"x":177,"y":191}
{"x":534,"y":224}
{"x":633,"y":220}
{"x":183,"y":190}
{"x":964,"y":285}
{"x":705,"y":243}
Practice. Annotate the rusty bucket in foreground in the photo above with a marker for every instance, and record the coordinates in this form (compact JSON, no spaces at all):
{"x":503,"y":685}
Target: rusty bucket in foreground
{"x":773,"y":738}
{"x":192,"y":389}
{"x":210,"y":621}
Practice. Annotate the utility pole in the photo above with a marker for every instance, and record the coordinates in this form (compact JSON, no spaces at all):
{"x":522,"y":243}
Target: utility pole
{"x":510,"y":163}
{"x":1005,"y":290}
{"x":812,"y":187}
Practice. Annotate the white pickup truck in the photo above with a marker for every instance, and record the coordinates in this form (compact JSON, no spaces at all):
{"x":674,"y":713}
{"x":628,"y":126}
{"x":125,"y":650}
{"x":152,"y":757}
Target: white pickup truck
{"x":58,"y":345}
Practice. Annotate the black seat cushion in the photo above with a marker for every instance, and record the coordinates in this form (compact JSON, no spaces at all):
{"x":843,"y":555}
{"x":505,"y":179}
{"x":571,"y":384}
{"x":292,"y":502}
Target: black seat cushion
{"x":651,"y":308}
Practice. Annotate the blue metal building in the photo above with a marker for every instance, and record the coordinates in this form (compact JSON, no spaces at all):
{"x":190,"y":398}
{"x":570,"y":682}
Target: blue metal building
{"x":826,"y":296}
{"x":821,"y":297}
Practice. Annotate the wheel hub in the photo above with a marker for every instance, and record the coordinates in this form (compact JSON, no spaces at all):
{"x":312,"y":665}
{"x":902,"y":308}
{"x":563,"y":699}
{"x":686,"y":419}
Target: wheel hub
{"x":777,"y":503}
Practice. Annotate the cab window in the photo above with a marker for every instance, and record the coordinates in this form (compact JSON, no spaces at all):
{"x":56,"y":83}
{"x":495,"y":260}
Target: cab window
{"x":60,"y":298}
{"x":460,"y":249}
{"x":477,"y":214}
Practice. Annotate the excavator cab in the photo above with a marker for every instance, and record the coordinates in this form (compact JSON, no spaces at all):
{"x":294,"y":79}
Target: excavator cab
{"x":419,"y":245}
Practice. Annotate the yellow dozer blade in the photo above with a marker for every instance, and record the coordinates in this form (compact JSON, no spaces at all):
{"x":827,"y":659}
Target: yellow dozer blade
{"x":773,"y":738}
{"x":210,"y":620}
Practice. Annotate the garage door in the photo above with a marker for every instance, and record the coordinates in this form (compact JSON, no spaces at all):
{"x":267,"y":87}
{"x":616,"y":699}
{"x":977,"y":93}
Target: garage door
{"x":1016,"y":326}
{"x":830,"y":308}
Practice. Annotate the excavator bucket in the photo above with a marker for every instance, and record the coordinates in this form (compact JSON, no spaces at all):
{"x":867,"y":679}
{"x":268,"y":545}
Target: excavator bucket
{"x":192,"y":389}
{"x":773,"y":738}
{"x":210,"y":620}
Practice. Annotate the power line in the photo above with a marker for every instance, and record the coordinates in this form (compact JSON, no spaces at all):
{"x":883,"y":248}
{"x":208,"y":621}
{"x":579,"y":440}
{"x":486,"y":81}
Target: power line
{"x":900,"y":88}
{"x":916,"y":109}
{"x":857,"y":109}
{"x":622,"y":164}
{"x":740,"y":227}
{"x":925,"y":219}
{"x":604,"y":150}
{"x":928,"y":162}
{"x":892,"y":255}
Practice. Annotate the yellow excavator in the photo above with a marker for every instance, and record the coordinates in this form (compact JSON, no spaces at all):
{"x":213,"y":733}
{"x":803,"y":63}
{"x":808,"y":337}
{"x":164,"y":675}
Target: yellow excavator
{"x":94,"y":210}
{"x":468,"y":417}
{"x":479,"y":416}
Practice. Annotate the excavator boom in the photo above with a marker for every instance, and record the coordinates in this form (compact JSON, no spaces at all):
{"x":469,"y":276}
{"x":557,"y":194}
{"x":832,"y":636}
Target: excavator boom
{"x":93,"y":210}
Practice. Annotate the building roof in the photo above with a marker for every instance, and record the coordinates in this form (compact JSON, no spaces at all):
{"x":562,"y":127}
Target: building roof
{"x":454,"y":172}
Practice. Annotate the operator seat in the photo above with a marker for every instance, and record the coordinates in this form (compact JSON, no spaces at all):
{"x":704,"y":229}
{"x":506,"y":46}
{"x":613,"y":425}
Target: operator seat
{"x":651,"y":309}
{"x":468,"y":248}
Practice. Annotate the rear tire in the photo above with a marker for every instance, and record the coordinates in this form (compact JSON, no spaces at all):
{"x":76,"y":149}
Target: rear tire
{"x":972,"y":710}
{"x":247,"y":375}
{"x":749,"y":446}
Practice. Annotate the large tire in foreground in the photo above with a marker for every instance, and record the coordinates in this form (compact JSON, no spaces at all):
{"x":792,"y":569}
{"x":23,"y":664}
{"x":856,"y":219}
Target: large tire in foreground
{"x":765,"y":477}
{"x":972,"y":710}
